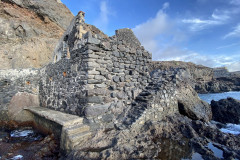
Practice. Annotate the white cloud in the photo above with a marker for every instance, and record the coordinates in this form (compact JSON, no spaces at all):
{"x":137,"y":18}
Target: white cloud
{"x":152,"y":28}
{"x":229,"y":45}
{"x":198,"y":24}
{"x":177,"y":54}
{"x":222,"y":15}
{"x":158,"y":32}
{"x":104,"y":11}
{"x":165,"y":6}
{"x":218,"y":17}
{"x":235,"y":66}
{"x":235,"y":2}
{"x":162,"y":36}
{"x":234,"y":33}
{"x":103,"y":20}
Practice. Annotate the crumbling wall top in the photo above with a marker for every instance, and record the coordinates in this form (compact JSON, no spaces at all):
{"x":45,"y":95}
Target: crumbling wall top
{"x":127,"y":35}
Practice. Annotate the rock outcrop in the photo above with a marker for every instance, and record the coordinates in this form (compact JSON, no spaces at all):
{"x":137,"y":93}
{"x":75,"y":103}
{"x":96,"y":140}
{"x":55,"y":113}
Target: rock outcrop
{"x":159,"y":141}
{"x":30,"y":31}
{"x":226,"y":110}
{"x":129,"y":104}
{"x":190,"y":105}
{"x":203,"y":79}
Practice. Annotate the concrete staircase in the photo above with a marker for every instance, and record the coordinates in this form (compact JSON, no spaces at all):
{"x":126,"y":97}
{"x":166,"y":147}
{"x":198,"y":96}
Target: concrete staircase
{"x":73,"y":131}
{"x":73,"y":135}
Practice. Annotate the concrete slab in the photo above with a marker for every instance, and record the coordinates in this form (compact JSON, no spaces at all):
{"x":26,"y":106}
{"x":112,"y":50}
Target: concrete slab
{"x":63,"y":119}
{"x":69,"y":128}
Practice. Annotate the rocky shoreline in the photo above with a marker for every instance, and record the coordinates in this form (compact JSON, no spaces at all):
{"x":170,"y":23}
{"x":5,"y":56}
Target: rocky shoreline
{"x":22,"y":141}
{"x":130,"y":106}
{"x":148,"y":143}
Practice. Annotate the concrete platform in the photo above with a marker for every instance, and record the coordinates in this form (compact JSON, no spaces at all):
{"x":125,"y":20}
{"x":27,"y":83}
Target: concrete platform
{"x":68,"y":128}
{"x":61,"y":118}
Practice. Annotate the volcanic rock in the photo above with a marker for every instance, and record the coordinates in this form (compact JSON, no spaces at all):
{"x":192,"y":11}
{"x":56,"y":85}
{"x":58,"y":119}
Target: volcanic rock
{"x":190,"y":105}
{"x":226,"y":110}
{"x":30,"y":31}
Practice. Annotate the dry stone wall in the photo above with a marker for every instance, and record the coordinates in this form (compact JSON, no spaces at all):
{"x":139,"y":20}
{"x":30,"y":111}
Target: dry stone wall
{"x":100,"y":77}
{"x":62,"y":85}
{"x":18,"y":88}
{"x":155,"y":102}
{"x":110,"y":81}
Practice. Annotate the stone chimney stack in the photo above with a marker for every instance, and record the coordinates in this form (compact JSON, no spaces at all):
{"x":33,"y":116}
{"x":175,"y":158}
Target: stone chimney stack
{"x":80,"y":21}
{"x":80,"y":18}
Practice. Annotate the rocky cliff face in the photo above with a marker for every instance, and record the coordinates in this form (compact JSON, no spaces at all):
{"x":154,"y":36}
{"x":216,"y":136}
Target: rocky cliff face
{"x":202,"y":79}
{"x":30,"y":31}
{"x":194,"y":73}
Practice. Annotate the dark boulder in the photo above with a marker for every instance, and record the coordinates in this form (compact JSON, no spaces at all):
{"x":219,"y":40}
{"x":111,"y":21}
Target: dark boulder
{"x":226,"y":110}
{"x":190,"y":105}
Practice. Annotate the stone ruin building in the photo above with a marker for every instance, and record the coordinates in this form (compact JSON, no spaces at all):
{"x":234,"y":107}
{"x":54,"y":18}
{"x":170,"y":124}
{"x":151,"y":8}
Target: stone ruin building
{"x":95,"y":76}
{"x":104,"y":80}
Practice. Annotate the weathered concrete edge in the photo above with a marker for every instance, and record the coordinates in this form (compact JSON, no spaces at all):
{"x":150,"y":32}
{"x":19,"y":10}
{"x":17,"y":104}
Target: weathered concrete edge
{"x":63,"y":119}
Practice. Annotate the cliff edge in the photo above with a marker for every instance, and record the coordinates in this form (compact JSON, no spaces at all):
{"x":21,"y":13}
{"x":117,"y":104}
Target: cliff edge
{"x":30,"y":31}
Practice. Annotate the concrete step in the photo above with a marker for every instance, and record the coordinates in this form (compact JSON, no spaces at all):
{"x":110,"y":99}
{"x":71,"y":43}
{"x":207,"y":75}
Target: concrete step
{"x":79,"y":136}
{"x":61,"y":118}
{"x":72,"y":131}
{"x":75,"y":129}
{"x":84,"y":138}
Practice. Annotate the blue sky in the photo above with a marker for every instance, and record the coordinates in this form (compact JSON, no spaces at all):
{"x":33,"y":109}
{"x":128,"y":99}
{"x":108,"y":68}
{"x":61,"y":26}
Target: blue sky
{"x":205,"y":32}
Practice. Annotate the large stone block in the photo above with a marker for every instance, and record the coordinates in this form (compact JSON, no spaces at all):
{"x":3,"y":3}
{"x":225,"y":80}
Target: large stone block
{"x":96,"y":110}
{"x":93,"y":40}
{"x":95,"y":99}
{"x":99,"y":77}
{"x":93,"y":72}
{"x":20,"y":101}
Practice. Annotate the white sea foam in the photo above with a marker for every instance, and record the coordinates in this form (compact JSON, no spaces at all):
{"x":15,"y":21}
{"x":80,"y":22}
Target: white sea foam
{"x":17,"y":157}
{"x":231,"y":128}
{"x":19,"y":133}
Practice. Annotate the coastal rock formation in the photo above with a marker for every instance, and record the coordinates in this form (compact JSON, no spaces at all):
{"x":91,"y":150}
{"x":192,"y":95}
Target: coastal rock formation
{"x":159,"y":140}
{"x":222,"y":84}
{"x":126,"y":105}
{"x":195,"y":75}
{"x":188,"y":102}
{"x":190,"y":105}
{"x":30,"y":31}
{"x":226,"y":110}
{"x":202,"y":79}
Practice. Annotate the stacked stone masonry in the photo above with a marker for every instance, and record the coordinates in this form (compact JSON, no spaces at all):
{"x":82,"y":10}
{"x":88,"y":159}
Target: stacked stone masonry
{"x":17,"y":84}
{"x":108,"y":81}
{"x":156,"y":101}
{"x":101,"y":77}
